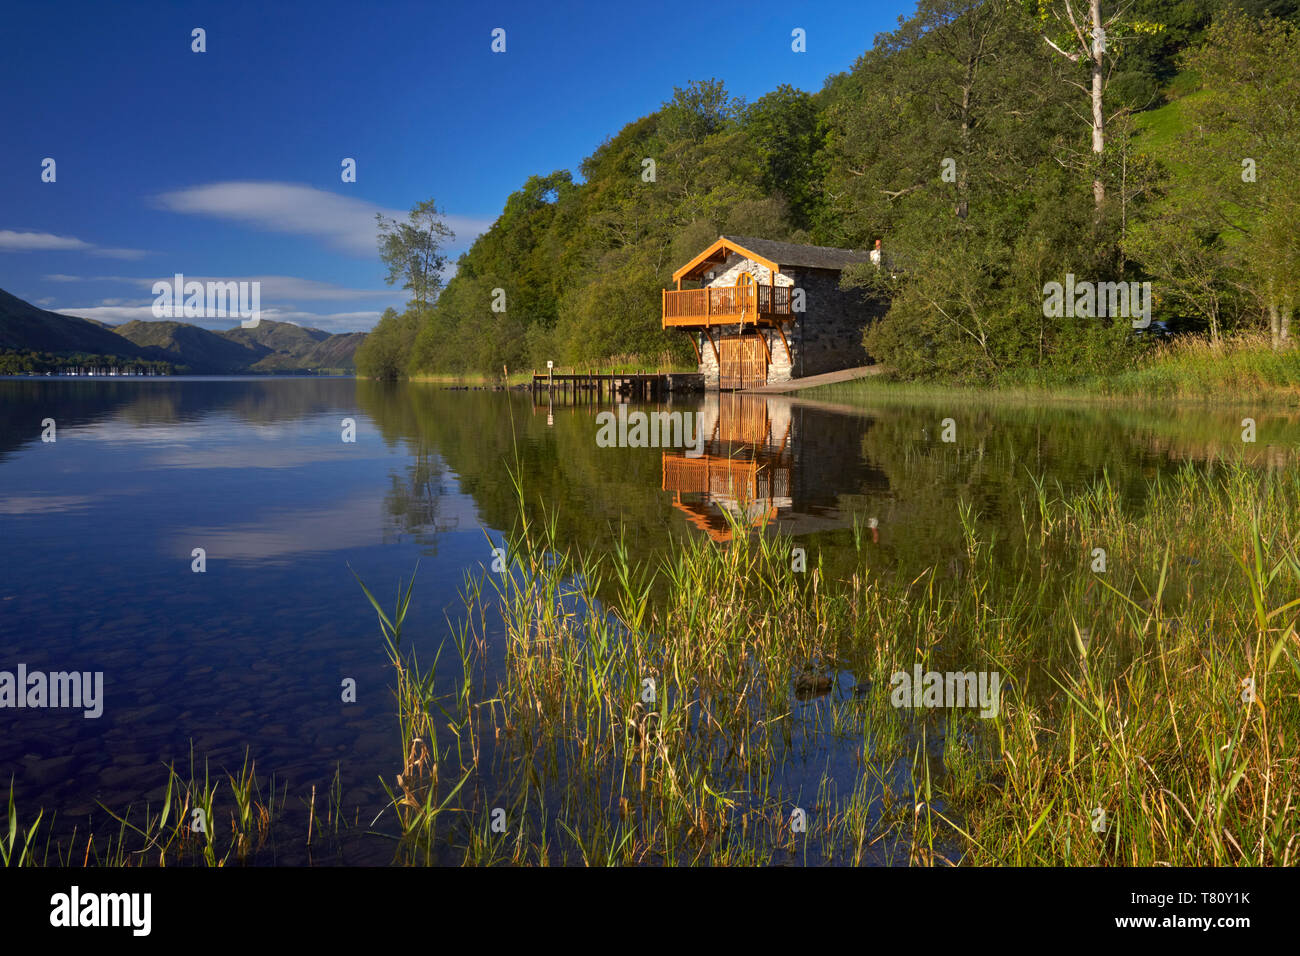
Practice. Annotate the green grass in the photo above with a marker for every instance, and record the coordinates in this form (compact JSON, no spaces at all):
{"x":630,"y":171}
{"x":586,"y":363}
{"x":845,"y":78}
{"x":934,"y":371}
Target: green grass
{"x":1126,"y":697}
{"x":1242,"y":369}
{"x":721,"y":706}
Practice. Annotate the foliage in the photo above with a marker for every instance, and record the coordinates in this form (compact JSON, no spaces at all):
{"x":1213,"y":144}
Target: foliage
{"x":961,"y":141}
{"x":412,"y":250}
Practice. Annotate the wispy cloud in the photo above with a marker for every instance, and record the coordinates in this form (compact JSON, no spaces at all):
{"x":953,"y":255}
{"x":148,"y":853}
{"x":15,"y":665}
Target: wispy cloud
{"x":282,"y":301}
{"x":117,"y":311}
{"x":288,"y":288}
{"x":342,"y":222}
{"x":12,"y":240}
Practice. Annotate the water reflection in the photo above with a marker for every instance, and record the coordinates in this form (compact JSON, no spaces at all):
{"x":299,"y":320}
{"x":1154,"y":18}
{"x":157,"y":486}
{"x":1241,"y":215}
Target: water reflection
{"x":743,"y":477}
{"x":99,"y":528}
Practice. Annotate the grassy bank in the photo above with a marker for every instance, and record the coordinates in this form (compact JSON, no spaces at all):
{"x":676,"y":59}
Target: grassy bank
{"x":618,"y":365}
{"x":1148,"y":714}
{"x":1241,"y":370}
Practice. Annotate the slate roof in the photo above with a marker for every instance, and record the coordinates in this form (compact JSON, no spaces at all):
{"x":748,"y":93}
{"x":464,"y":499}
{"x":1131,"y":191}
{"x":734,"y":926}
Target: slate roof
{"x":794,"y":254}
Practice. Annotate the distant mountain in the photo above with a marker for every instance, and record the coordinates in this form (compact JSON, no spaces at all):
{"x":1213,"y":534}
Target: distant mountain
{"x":278,"y":336}
{"x":335,"y":351}
{"x":284,"y":346}
{"x":26,"y":328}
{"x":188,"y":345}
{"x":270,"y":347}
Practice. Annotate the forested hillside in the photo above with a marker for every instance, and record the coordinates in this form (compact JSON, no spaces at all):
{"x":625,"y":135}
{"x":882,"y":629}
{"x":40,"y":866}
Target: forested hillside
{"x":970,"y":142}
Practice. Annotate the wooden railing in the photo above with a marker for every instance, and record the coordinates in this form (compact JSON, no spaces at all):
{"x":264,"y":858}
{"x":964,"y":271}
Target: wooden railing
{"x":729,"y":477}
{"x":721,"y":305}
{"x":774,"y":300}
{"x":725,"y":477}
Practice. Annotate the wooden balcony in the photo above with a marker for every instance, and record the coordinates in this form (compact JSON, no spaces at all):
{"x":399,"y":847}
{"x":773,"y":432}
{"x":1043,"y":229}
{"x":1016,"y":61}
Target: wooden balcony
{"x":726,"y":305}
{"x":723,"y":477}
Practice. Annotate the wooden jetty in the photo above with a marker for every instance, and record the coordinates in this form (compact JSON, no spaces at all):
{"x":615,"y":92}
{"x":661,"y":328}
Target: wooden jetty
{"x":597,"y":387}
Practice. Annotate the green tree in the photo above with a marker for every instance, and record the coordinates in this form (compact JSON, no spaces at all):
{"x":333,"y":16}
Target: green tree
{"x":413,"y":250}
{"x":384,"y":352}
{"x":1225,"y":226}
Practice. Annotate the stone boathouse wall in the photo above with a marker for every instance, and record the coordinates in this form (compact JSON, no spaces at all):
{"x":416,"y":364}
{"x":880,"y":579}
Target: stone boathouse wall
{"x":827,"y":336}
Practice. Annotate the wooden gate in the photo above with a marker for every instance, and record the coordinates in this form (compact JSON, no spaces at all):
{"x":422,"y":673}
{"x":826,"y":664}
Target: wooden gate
{"x":742,"y":362}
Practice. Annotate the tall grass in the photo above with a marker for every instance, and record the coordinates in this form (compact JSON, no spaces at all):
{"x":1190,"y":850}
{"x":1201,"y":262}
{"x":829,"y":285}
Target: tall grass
{"x":723,"y":705}
{"x":692,"y":729}
{"x":1242,"y":367}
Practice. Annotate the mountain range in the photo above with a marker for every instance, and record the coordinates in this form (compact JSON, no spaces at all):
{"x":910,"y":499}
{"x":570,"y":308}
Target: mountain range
{"x":270,"y":347}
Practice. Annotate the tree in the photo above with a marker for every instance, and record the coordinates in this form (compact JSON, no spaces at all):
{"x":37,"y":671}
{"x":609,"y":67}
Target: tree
{"x":413,"y":250}
{"x":1240,"y":150}
{"x":785,"y":132}
{"x":1087,"y":37}
{"x":383,"y":353}
{"x":947,"y":148}
{"x":1180,"y":248}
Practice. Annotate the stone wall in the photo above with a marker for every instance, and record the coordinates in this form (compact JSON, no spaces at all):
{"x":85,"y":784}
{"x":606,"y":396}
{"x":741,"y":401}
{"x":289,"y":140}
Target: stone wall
{"x":827,"y":336}
{"x":725,"y":275}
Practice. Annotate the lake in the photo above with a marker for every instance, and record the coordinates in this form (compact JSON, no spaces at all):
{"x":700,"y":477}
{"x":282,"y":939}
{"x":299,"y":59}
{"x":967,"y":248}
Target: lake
{"x":101,"y":525}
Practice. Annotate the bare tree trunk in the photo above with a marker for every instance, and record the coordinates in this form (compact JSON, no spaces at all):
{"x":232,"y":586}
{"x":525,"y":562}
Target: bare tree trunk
{"x":1093,"y":50}
{"x":1284,"y":328}
{"x":1098,"y":116}
{"x":1275,"y":324}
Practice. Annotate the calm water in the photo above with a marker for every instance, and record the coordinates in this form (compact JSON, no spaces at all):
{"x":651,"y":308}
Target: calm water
{"x":99,"y":527}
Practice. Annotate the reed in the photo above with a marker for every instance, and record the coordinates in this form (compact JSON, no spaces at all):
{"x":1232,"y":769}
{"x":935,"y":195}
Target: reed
{"x":718,"y":706}
{"x":745,"y":716}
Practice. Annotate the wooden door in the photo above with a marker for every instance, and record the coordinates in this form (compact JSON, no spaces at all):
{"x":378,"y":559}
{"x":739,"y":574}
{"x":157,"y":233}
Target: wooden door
{"x":745,"y":303}
{"x":742,"y":362}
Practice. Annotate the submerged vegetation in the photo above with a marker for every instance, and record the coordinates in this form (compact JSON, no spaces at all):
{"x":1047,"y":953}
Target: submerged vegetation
{"x":734,"y":705}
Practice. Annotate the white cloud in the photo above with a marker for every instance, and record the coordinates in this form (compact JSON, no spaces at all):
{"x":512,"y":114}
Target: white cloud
{"x":112,"y":314}
{"x":119,"y":253}
{"x":275,"y":287}
{"x":343,"y":222}
{"x":116,"y":312}
{"x":280,"y":295}
{"x":13,"y":241}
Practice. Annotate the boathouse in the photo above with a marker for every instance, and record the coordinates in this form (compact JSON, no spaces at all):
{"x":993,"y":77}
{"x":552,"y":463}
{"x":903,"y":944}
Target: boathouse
{"x":761,"y":312}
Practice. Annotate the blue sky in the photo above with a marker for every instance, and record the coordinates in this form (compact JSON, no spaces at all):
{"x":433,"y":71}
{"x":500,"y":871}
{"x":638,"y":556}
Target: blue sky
{"x":226,"y":164}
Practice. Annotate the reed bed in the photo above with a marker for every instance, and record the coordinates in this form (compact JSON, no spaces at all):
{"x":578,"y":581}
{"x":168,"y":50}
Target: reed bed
{"x":746,"y":715}
{"x":733,"y":705}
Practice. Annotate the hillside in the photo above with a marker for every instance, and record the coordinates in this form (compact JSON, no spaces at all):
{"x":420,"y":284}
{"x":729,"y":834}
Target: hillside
{"x":985,"y":172}
{"x":333,"y":352}
{"x":26,"y":328}
{"x":283,"y":346}
{"x":190,"y":346}
{"x":269,"y":348}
